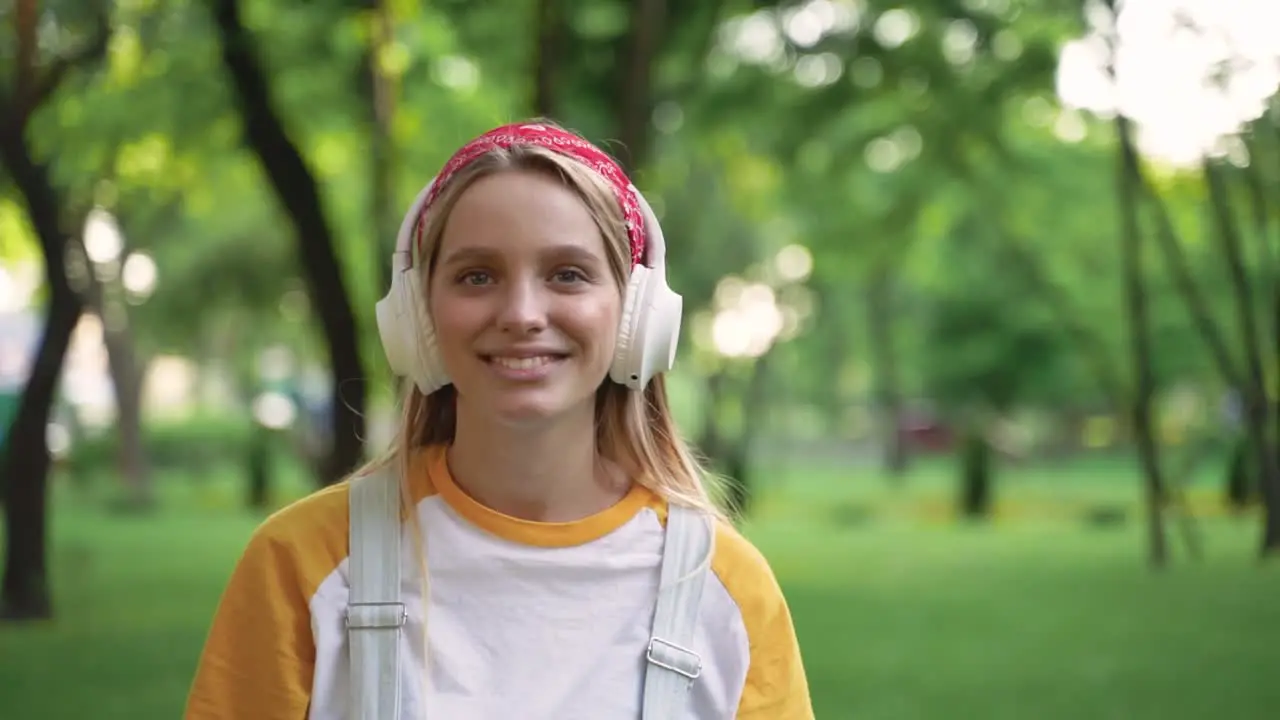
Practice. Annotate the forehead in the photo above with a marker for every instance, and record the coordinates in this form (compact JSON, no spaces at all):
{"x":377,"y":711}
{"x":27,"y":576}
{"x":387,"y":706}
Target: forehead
{"x":519,"y":213}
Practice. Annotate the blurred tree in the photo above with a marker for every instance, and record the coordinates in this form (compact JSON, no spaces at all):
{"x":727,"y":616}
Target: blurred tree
{"x":1138,"y":192}
{"x":924,"y":101}
{"x":1127,"y":181}
{"x":24,"y":469}
{"x":99,"y":283}
{"x":379,"y":88}
{"x":297,"y":190}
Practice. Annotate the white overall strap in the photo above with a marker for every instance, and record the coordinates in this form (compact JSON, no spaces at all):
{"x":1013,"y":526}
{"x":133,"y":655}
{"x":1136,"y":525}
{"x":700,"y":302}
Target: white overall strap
{"x":672,"y":662}
{"x":375,"y":614}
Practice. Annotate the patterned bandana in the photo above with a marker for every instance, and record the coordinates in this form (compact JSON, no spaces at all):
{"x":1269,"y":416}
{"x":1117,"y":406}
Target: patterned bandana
{"x":564,"y":143}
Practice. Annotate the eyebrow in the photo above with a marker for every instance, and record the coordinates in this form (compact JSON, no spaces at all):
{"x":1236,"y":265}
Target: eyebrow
{"x":480,"y":253}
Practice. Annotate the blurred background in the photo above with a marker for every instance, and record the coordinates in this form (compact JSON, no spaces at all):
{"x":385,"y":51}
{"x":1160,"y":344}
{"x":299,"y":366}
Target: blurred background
{"x":982,"y":317}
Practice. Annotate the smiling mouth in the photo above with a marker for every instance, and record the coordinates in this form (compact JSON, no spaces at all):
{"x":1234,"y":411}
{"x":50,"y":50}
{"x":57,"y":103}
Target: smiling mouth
{"x":522,"y":363}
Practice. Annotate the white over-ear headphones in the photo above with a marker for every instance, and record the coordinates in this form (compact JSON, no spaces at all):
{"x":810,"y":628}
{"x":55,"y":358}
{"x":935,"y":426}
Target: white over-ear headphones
{"x":647,"y":334}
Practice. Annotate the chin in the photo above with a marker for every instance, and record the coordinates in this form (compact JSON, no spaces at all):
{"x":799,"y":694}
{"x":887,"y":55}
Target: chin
{"x":524,"y":412}
{"x":524,"y":409}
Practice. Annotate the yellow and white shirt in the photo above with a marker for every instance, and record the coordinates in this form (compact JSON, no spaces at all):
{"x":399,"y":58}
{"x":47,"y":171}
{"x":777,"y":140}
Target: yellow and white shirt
{"x":527,"y":620}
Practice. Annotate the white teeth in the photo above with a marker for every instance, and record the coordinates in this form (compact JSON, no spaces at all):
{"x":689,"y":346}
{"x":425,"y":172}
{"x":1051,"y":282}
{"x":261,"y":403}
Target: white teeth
{"x":525,"y":363}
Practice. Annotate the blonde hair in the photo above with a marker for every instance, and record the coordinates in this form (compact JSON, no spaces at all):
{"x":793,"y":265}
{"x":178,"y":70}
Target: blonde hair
{"x":635,"y":430}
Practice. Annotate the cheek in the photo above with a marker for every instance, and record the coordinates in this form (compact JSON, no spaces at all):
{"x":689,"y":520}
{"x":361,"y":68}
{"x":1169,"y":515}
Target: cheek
{"x":452,"y":320}
{"x":596,"y":324}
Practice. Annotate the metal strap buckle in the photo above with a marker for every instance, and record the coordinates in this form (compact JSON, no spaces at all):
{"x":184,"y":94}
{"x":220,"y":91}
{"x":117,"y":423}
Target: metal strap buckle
{"x":374,"y":615}
{"x":672,"y":660}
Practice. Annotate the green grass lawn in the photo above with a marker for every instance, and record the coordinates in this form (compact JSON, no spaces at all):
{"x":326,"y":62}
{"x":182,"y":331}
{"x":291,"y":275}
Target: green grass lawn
{"x":902,"y":612}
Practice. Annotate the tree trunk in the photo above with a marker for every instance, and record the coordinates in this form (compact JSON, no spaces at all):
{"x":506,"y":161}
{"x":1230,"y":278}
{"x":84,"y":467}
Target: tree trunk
{"x":547,"y":54}
{"x":1140,"y":342}
{"x":1240,"y":488}
{"x":259,"y":469}
{"x":1262,"y":213}
{"x":126,"y":377}
{"x":888,"y":393}
{"x":1275,"y":358}
{"x":975,"y":473}
{"x":1257,"y":413}
{"x":24,"y":469}
{"x":126,"y":380}
{"x":1269,"y":293}
{"x":739,"y":461}
{"x":731,"y":454}
{"x":380,"y":91}
{"x":1176,"y":260}
{"x":635,"y":99}
{"x":296,"y":188}
{"x":719,"y":448}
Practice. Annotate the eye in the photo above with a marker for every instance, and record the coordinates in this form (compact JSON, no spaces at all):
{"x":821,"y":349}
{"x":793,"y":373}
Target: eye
{"x":569,"y":276}
{"x":475,"y":278}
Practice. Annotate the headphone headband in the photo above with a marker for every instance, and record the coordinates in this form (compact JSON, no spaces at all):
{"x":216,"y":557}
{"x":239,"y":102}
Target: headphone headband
{"x":403,"y":258}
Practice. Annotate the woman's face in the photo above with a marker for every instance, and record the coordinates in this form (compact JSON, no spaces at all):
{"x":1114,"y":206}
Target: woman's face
{"x":525,"y":307}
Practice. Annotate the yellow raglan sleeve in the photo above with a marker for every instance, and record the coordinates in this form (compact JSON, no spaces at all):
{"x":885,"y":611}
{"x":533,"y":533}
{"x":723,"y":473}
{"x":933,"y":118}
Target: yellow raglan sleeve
{"x":259,"y":655}
{"x":776,"y":687}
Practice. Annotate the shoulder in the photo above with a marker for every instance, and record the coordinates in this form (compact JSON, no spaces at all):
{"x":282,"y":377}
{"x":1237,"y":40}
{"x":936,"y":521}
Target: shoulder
{"x":259,"y":653}
{"x":303,"y":542}
{"x":744,"y":571}
{"x":751,"y":583}
{"x":310,"y":537}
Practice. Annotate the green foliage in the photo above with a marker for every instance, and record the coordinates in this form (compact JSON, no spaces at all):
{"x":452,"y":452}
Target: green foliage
{"x":192,"y":448}
{"x":17,"y":242}
{"x":993,"y":350}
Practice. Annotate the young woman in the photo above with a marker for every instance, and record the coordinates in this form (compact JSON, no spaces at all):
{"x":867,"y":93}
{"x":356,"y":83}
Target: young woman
{"x":538,"y":467}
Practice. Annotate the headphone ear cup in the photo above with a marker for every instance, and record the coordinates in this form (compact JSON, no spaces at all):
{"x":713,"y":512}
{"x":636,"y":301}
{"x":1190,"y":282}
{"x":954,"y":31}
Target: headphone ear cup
{"x":395,"y":326}
{"x":662,"y":327}
{"x":626,"y":368}
{"x":649,"y":330}
{"x":428,"y":368}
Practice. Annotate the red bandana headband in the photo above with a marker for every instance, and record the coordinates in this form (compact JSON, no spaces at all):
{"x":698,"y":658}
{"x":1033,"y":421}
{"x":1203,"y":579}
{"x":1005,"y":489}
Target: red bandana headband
{"x":562,"y":142}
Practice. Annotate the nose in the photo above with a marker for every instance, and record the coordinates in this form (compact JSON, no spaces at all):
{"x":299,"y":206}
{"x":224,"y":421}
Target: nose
{"x":524,"y":308}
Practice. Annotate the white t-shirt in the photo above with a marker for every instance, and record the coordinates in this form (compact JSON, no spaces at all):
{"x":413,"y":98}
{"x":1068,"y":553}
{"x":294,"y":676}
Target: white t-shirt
{"x":527,"y":620}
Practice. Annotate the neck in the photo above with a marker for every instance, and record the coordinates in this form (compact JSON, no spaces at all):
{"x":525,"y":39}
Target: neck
{"x":551,"y":473}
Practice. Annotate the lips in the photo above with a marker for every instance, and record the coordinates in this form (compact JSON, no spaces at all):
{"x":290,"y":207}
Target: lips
{"x":523,"y":363}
